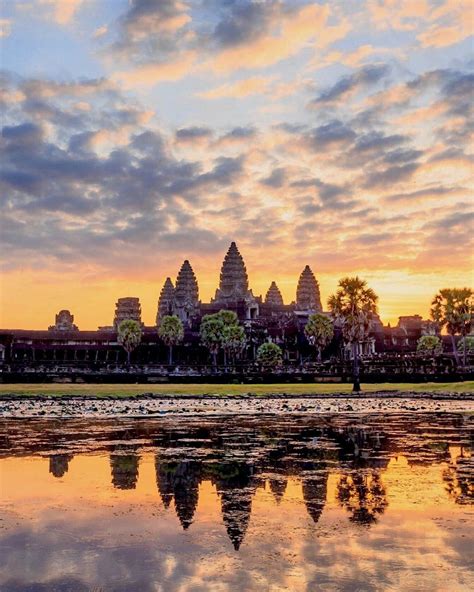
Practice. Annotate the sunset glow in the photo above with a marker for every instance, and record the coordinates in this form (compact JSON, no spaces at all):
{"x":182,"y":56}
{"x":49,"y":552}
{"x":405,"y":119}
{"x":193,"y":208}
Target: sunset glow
{"x":139,"y":134}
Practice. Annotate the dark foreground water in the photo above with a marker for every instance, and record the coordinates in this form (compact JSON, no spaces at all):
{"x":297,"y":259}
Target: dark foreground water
{"x":331,"y":502}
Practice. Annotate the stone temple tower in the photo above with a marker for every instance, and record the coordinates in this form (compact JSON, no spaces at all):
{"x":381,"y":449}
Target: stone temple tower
{"x":308,"y":297}
{"x":165,"y":301}
{"x":127,"y":308}
{"x":234,"y":283}
{"x":273,"y":295}
{"x":186,"y":294}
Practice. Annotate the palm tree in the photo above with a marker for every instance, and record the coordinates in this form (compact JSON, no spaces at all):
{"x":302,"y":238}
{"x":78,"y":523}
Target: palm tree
{"x":211,"y":332}
{"x":233,"y":340}
{"x":352,"y":307}
{"x":233,"y":336}
{"x":171,"y":331}
{"x":453,"y":308}
{"x":429,"y":344}
{"x":129,"y":335}
{"x":319,"y":331}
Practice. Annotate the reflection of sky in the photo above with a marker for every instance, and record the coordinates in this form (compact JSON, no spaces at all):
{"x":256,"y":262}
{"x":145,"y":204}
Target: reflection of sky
{"x":363,"y":106}
{"x":80,"y":527}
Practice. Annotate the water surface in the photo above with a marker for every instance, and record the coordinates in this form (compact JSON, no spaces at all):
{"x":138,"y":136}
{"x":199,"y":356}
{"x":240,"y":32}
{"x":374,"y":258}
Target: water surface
{"x":330,"y":502}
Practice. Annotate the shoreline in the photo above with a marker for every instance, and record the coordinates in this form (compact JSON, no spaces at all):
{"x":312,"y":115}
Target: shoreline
{"x":158,"y":406}
{"x":95,"y":390}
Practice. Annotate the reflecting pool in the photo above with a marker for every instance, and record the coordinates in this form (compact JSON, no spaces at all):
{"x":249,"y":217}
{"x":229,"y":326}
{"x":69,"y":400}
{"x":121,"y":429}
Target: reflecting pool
{"x":335,"y":502}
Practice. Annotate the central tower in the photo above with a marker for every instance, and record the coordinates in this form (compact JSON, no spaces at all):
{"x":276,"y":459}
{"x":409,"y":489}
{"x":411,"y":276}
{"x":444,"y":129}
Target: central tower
{"x":234,"y":282}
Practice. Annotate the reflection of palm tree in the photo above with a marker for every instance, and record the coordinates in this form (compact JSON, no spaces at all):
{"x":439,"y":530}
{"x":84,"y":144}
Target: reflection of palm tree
{"x":124,"y":470}
{"x":459,"y":480}
{"x":314,"y":494}
{"x":59,"y":464}
{"x":363,"y":495}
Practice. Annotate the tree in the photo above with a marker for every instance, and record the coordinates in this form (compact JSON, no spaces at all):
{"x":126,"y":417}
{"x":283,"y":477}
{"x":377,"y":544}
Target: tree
{"x":211,"y":332}
{"x":228,"y":317}
{"x":171,"y":331}
{"x":233,"y":340}
{"x":453,"y":309}
{"x":129,"y":335}
{"x":353,"y":306}
{"x":222,"y":331}
{"x":467,"y":345}
{"x":319,"y":331}
{"x":429,"y":344}
{"x":269,"y":356}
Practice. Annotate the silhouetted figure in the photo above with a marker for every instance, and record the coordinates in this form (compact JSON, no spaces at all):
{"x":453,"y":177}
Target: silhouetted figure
{"x":124,"y":470}
{"x":59,"y":464}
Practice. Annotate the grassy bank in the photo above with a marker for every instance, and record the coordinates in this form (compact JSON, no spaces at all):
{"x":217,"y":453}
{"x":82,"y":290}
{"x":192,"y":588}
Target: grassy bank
{"x":127,"y":390}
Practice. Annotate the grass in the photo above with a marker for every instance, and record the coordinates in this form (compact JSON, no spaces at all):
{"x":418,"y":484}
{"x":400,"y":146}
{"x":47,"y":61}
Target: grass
{"x":128,"y":390}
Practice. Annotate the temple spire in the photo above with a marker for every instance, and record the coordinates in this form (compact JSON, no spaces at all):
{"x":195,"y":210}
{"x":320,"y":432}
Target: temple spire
{"x":308,"y":297}
{"x":233,"y":283}
{"x":165,"y":301}
{"x":186,"y":293}
{"x":273,"y":295}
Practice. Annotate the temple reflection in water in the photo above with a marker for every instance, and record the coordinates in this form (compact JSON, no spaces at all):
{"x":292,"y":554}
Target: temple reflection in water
{"x":239,"y":456}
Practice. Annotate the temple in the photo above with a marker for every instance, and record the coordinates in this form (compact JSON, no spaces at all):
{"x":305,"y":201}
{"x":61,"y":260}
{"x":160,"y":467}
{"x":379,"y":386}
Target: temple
{"x":63,"y":345}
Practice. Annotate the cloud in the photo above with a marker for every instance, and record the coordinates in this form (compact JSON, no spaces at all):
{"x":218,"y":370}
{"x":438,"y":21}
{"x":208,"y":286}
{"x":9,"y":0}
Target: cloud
{"x":63,"y":10}
{"x":422,"y":194}
{"x":193,"y":134}
{"x":390,"y":176}
{"x":452,"y":23}
{"x":239,"y":89}
{"x":276,"y":179}
{"x":334,"y":133}
{"x":404,"y":15}
{"x":277,"y":33}
{"x":153,"y":73}
{"x":149,"y":29}
{"x":362,"y":78}
{"x":5,"y":27}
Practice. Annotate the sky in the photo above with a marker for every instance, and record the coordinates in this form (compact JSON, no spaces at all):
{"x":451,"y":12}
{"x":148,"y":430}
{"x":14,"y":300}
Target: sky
{"x":139,"y":133}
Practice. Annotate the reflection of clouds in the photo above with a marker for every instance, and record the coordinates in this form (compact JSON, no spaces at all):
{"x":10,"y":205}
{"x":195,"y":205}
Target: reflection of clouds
{"x":244,"y":507}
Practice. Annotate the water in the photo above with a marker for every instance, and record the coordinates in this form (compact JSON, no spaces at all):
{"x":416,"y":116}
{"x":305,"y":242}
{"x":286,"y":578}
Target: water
{"x":330,"y":502}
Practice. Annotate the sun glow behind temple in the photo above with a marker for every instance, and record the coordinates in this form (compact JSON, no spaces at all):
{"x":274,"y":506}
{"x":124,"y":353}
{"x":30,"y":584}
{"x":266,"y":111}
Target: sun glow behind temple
{"x":277,"y":124}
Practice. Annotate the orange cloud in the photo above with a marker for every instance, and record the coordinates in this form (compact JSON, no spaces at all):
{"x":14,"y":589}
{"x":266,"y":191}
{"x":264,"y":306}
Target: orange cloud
{"x":287,"y":37}
{"x":443,"y":36}
{"x":63,"y":10}
{"x":151,"y":74}
{"x":397,"y":14}
{"x":5,"y":27}
{"x":239,"y":89}
{"x":452,"y":23}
